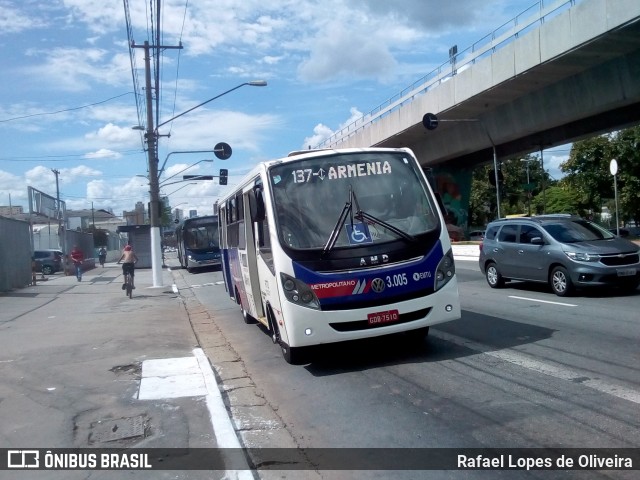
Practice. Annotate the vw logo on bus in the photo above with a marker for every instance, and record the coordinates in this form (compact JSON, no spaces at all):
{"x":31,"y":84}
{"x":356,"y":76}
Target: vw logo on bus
{"x":377,"y":285}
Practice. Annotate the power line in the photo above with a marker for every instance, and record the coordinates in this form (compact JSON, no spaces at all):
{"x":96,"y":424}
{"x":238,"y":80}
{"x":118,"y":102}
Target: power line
{"x":175,"y":89}
{"x":65,"y":110}
{"x":59,"y":158}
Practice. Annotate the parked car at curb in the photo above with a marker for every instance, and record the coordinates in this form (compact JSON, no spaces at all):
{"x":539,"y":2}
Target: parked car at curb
{"x":48,"y":261}
{"x":565,"y":251}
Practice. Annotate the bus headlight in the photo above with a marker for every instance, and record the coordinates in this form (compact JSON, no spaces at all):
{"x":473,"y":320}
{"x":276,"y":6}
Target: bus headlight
{"x":445,"y":271}
{"x":299,"y":292}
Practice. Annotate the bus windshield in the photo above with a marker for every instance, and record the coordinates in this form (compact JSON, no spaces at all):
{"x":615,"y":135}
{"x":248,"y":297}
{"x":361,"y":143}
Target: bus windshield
{"x":351,"y":200}
{"x":201,"y":236}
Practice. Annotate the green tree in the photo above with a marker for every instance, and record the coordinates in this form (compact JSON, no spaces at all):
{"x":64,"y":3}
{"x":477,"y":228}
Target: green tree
{"x":556,"y":199}
{"x":482,"y":199}
{"x":588,"y":172}
{"x":626,"y":151}
{"x":523,"y":176}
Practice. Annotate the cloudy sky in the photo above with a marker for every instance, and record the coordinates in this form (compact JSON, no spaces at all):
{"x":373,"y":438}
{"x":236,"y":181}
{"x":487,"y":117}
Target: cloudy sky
{"x":67,"y":99}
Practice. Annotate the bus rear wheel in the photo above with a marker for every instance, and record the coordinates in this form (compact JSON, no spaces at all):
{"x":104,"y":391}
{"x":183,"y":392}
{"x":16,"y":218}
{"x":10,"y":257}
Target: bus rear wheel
{"x":248,"y":319}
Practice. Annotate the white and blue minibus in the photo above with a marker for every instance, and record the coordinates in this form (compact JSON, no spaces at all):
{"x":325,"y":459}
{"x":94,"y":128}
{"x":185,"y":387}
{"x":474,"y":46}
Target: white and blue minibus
{"x":327,"y":246}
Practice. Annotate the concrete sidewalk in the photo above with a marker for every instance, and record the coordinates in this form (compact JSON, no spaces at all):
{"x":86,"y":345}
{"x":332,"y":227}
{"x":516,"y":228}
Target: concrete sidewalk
{"x":470,"y":252}
{"x":82,"y":365}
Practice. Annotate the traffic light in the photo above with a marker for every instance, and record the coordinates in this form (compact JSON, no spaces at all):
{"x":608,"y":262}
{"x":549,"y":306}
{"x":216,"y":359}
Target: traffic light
{"x":224,"y":173}
{"x":197,"y":177}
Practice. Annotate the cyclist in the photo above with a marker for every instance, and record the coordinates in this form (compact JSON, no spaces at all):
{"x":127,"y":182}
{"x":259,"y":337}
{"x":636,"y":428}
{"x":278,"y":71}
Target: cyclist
{"x":128,"y":260}
{"x":77,"y":257}
{"x":102,"y":255}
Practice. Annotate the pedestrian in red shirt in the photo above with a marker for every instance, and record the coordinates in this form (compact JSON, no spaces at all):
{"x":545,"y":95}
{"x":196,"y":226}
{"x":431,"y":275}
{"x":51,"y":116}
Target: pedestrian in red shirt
{"x":77,"y":257}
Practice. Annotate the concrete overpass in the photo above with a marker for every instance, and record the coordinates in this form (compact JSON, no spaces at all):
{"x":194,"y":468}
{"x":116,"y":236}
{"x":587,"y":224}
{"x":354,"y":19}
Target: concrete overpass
{"x":555,"y":74}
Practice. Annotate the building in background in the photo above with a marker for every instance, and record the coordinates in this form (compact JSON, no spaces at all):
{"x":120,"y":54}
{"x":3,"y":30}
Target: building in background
{"x":178,"y":214}
{"x":138,"y":216}
{"x":193,"y":213}
{"x":10,"y":211}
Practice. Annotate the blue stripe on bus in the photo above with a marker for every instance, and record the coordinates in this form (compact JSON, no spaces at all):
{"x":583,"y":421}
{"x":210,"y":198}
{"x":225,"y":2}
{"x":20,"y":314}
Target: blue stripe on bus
{"x":366,"y":285}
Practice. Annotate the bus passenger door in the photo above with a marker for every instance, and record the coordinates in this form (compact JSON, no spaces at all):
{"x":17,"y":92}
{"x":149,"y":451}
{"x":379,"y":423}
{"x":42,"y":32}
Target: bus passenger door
{"x":248,"y":261}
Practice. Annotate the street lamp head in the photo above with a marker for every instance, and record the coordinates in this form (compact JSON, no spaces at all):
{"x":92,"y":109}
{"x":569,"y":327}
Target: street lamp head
{"x":138,"y":127}
{"x":257,"y":83}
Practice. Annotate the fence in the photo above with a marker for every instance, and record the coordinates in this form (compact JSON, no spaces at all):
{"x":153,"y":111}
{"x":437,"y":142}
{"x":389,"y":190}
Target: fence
{"x":15,"y":254}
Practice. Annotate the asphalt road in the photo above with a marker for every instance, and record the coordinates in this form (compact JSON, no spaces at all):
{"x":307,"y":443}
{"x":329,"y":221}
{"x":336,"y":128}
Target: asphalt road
{"x":521,"y":368}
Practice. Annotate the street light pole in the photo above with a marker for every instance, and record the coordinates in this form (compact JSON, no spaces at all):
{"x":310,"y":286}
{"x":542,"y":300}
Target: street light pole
{"x":253,"y":83}
{"x":184,"y":169}
{"x":154,"y":182}
{"x":613,"y":167}
{"x":184,"y":151}
{"x":190,"y":183}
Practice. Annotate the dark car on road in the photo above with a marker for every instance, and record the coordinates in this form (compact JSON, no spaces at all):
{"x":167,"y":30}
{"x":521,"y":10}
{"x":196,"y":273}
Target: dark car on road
{"x":565,"y":251}
{"x":48,"y":261}
{"x":622,"y":232}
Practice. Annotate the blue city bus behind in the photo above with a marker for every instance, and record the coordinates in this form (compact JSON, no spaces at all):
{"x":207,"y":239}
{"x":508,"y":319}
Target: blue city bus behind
{"x":197,"y":242}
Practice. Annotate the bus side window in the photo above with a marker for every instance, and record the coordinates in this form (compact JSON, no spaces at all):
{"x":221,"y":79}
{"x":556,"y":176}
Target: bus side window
{"x":233,"y":214}
{"x":240,"y":206}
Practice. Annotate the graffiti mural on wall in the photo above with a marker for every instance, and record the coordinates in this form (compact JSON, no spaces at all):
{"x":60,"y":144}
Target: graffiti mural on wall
{"x":454,"y":189}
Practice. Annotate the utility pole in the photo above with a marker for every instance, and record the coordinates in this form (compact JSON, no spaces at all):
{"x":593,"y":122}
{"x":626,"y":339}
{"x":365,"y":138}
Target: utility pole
{"x":61,"y":233}
{"x":154,"y":187}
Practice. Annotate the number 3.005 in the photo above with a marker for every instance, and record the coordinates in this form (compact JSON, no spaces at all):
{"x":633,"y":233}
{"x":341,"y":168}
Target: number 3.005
{"x":397,"y":280}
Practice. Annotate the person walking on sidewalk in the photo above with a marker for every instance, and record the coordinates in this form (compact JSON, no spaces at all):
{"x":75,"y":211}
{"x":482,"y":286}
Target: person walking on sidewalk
{"x":77,"y":257}
{"x":128,"y":260}
{"x":102,"y":256}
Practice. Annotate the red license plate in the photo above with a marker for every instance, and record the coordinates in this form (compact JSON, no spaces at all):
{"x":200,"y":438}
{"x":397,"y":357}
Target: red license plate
{"x":383,"y":317}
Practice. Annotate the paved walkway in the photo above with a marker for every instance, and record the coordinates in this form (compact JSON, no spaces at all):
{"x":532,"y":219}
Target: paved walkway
{"x":82,"y":365}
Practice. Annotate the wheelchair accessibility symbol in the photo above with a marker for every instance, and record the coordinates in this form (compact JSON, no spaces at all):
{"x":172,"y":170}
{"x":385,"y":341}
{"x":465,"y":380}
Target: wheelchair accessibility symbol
{"x":358,"y":233}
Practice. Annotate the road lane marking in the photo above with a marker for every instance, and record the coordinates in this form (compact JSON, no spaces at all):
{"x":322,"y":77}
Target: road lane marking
{"x":525,"y":361}
{"x":543,"y":301}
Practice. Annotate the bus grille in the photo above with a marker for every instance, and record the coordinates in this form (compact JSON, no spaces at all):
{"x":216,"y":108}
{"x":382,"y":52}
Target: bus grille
{"x":351,"y":304}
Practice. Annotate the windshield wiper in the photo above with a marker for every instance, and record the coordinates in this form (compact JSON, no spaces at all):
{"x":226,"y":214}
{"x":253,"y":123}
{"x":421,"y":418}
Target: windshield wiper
{"x":360,"y":215}
{"x":333,"y":238}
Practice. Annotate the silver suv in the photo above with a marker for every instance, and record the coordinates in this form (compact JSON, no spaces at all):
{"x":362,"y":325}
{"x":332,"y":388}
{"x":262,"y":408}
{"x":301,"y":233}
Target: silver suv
{"x":565,"y":251}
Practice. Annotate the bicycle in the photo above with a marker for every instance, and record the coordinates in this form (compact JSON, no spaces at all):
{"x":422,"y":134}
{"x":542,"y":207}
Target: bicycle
{"x":128,"y":282}
{"x":78,"y":266}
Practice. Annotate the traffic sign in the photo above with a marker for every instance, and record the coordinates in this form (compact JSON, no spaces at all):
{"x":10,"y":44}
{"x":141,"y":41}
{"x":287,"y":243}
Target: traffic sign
{"x":222,"y":150}
{"x":430,"y":121}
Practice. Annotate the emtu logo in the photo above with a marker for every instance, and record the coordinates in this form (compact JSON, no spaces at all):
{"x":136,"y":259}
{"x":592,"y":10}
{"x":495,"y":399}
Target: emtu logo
{"x":23,"y":459}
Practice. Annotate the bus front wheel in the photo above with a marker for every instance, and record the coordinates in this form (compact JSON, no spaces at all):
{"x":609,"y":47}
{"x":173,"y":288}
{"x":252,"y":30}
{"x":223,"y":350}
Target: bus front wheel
{"x":291,"y":355}
{"x":294,"y":355}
